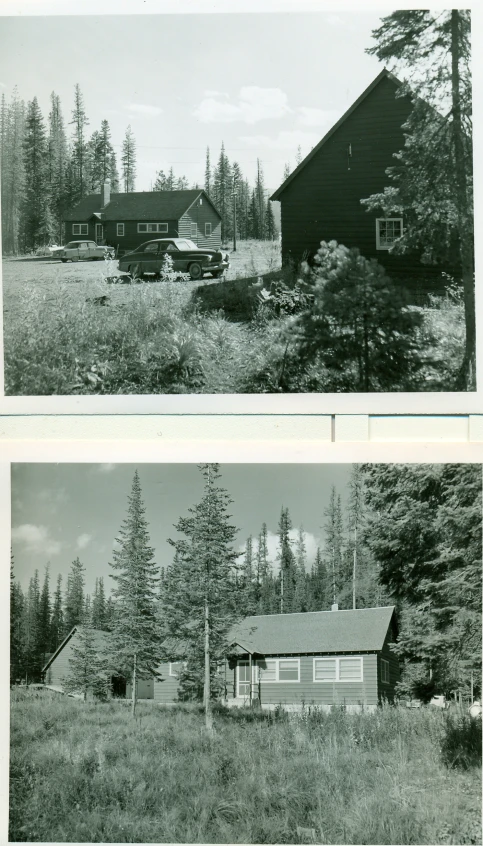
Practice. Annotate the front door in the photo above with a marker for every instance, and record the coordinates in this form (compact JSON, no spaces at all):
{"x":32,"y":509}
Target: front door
{"x":243,"y":680}
{"x":99,"y":233}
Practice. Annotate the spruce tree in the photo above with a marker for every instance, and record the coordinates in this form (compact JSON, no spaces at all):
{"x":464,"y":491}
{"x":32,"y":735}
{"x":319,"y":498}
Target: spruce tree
{"x":33,"y":658}
{"x":208,"y":173}
{"x":270,"y":228}
{"x":57,"y":627}
{"x":89,"y":670}
{"x":432,"y":184}
{"x":58,"y":162}
{"x":79,"y":121}
{"x":286,"y":559}
{"x":300,"y":597}
{"x":134,"y":633}
{"x":199,"y":602}
{"x":128,"y":161}
{"x":99,"y":612}
{"x":37,"y":221}
{"x":319,"y":597}
{"x":13,"y":174}
{"x":74,"y":599}
{"x":45,"y":613}
{"x":16,"y":615}
{"x":221,"y":194}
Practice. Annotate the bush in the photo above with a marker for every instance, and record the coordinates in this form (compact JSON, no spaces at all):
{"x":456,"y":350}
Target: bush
{"x":461,"y":746}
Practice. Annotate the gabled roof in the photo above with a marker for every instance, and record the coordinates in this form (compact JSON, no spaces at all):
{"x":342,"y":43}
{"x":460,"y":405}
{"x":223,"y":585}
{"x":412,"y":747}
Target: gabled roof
{"x":384,"y":74}
{"x":100,"y":638}
{"x":138,"y":205}
{"x":362,"y":630}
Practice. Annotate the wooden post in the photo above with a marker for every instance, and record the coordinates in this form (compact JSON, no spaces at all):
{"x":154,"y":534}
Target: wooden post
{"x":250,"y":676}
{"x":134,"y":680}
{"x":234,"y":219}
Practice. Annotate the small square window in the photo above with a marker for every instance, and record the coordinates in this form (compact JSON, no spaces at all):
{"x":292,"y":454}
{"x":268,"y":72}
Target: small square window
{"x":80,"y":229}
{"x":288,"y":670}
{"x":207,"y":229}
{"x":388,"y":231}
{"x":120,"y":229}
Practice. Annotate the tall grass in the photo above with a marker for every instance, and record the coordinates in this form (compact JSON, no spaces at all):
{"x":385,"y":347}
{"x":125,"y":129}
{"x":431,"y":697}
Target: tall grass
{"x":89,"y":773}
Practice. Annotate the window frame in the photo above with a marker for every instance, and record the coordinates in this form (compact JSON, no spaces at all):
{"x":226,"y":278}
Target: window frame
{"x":338,"y":659}
{"x":380,"y":220}
{"x":80,"y":227}
{"x":385,"y":671}
{"x":277,"y":679}
{"x":173,"y":664}
{"x":194,"y":226}
{"x":208,"y":229}
{"x":118,"y":227}
{"x":156,"y":231}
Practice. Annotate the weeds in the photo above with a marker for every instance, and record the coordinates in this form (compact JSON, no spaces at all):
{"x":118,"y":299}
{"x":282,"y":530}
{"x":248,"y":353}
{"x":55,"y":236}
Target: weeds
{"x":88,"y":773}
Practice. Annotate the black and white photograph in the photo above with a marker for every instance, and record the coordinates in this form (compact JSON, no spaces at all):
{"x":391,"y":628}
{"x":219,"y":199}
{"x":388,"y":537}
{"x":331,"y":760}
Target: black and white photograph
{"x":267,"y":204}
{"x":245,"y":652}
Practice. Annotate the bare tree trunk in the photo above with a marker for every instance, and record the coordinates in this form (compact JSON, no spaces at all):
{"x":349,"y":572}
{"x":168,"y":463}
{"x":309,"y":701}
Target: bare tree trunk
{"x":207,"y":687}
{"x":467,"y":375}
{"x":133,"y":701}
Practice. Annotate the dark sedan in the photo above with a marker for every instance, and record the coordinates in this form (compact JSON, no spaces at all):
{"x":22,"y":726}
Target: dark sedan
{"x":186,"y":256}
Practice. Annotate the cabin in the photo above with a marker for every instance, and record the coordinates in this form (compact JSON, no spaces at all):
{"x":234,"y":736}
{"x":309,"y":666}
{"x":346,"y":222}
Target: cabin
{"x":124,"y":221}
{"x":321,"y":199}
{"x":322,"y":658}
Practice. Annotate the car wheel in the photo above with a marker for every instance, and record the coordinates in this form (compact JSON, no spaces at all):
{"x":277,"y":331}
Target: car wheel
{"x":195,"y":270}
{"x":63,"y":261}
{"x":136,"y":271}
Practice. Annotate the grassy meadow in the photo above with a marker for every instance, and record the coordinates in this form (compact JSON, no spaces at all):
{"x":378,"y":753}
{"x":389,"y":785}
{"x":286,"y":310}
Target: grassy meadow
{"x":69,"y":330}
{"x":90,"y":773}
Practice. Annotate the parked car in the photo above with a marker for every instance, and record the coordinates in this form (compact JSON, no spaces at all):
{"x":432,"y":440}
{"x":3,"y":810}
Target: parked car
{"x":186,"y":256}
{"x":439,"y":701}
{"x":84,"y":251}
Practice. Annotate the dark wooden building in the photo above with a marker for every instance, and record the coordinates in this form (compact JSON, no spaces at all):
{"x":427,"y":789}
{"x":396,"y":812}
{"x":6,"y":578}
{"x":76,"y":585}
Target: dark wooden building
{"x":124,"y":221}
{"x":321,"y":199}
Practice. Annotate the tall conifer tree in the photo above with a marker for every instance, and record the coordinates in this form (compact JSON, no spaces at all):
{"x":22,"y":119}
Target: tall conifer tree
{"x":128,"y":161}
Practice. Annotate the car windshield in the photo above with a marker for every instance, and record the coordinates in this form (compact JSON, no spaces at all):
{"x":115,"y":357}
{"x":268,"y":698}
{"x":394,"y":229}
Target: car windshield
{"x":72,"y":245}
{"x":186,"y":245}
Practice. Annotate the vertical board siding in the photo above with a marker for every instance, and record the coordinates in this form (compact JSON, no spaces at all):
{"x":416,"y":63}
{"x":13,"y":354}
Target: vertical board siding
{"x":323,"y":202}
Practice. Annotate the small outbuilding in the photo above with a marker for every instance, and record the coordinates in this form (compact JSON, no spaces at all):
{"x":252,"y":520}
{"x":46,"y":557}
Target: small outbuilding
{"x":321,"y":199}
{"x":124,"y":221}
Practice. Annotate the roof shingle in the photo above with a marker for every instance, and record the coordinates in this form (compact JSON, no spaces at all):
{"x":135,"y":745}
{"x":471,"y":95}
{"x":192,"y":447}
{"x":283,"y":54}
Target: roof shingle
{"x":362,"y":630}
{"x":138,"y":205}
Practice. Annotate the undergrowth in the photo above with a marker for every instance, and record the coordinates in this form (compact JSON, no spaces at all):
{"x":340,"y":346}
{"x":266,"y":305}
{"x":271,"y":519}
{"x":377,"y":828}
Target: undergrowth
{"x":86,"y":772}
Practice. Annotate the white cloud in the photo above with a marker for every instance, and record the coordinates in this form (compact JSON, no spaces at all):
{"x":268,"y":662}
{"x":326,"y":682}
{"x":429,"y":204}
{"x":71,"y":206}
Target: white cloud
{"x":83,"y":541}
{"x":285,"y":140}
{"x":254,"y":104}
{"x":144,"y":109}
{"x":311,"y":544}
{"x":36,"y":539}
{"x":317,"y":117}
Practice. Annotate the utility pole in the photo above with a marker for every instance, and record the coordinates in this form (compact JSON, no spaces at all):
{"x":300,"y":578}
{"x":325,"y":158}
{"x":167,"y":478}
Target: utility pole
{"x":233,"y":194}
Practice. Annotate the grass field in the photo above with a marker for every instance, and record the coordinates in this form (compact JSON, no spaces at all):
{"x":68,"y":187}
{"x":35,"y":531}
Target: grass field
{"x":69,"y":330}
{"x":89,"y":773}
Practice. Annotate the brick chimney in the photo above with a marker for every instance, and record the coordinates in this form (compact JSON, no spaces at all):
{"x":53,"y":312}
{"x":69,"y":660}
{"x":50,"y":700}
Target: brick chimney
{"x":105,"y":194}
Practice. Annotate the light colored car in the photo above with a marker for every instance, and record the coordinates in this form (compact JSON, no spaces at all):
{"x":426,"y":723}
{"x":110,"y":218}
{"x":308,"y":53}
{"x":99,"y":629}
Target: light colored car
{"x":84,"y":251}
{"x":439,"y":701}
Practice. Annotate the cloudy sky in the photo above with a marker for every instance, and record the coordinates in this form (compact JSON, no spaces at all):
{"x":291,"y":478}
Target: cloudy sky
{"x":261,"y":83}
{"x":60,"y":511}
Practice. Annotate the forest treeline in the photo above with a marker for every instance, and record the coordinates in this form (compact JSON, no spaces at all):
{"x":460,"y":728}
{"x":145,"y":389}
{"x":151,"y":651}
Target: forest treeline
{"x":49,"y":165}
{"x":408,"y":535}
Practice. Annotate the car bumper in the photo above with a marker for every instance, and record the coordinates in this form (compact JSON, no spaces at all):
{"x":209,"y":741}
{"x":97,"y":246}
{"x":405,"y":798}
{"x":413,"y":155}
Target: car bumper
{"x":216,"y":266}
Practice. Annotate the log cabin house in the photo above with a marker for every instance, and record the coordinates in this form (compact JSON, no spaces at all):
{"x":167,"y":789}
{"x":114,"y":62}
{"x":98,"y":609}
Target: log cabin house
{"x":321,"y":658}
{"x":124,"y":221}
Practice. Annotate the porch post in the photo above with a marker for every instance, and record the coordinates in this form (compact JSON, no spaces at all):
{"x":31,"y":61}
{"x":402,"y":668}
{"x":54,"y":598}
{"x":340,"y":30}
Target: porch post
{"x":250,"y":675}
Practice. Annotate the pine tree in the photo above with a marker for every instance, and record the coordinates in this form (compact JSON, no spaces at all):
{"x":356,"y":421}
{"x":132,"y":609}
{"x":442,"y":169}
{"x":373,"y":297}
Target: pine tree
{"x":128,"y":161}
{"x":208,"y":173}
{"x":286,"y":559}
{"x":160,"y":182}
{"x":57,"y":627}
{"x":79,"y":121}
{"x":286,"y":171}
{"x":334,"y":544}
{"x":432,"y":185}
{"x":248,"y":593}
{"x":270,"y":228}
{"x":200,"y":594}
{"x":253,"y":221}
{"x":114,"y":174}
{"x":89,"y":670}
{"x":33,"y":659}
{"x":16,"y":614}
{"x":12,"y":173}
{"x":260,"y":201}
{"x":99,"y":612}
{"x":221,"y":193}
{"x":74,"y":599}
{"x":44,"y":623}
{"x":58,"y":162}
{"x":319,"y":597}
{"x":298,"y":156}
{"x":135,"y":635}
{"x":300,"y":597}
{"x":37,"y":221}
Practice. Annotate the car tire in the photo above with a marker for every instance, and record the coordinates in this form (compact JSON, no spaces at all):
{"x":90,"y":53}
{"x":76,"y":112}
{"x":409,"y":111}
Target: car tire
{"x":63,"y":261}
{"x":136,"y":271}
{"x":195,"y":270}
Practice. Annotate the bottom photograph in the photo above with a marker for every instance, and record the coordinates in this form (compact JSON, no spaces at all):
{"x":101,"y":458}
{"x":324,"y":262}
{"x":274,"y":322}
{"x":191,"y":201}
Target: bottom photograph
{"x":246,"y":653}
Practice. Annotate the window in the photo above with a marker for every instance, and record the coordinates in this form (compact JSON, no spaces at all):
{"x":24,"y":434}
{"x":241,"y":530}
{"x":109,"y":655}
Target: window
{"x":120,"y":229}
{"x":338,"y":669}
{"x":207,"y":229}
{"x":280,"y":670}
{"x":384,"y":671}
{"x":80,"y":229}
{"x":151,"y":248}
{"x":388,"y":230}
{"x":194,"y":230}
{"x":176,"y":667}
{"x":153,"y":227}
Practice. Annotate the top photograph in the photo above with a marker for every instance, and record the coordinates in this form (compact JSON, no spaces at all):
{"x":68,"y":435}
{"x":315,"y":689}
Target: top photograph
{"x":261,"y":204}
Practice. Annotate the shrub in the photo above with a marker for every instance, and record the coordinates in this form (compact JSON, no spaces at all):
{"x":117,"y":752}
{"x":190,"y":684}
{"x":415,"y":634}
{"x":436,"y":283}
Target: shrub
{"x":461,"y":746}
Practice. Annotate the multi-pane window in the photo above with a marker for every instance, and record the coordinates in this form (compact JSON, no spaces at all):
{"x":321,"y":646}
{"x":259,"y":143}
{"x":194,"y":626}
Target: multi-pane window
{"x":120,"y":229}
{"x":194,"y":231}
{"x":176,"y":667}
{"x":207,"y":229}
{"x":388,"y":230}
{"x":338,"y":669}
{"x":153,"y":228}
{"x":384,"y":671}
{"x":280,"y":670}
{"x":80,"y":229}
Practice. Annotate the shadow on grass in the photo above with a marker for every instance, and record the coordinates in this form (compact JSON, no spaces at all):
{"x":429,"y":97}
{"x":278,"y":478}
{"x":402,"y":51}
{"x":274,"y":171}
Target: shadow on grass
{"x":461,"y":746}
